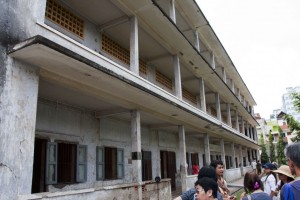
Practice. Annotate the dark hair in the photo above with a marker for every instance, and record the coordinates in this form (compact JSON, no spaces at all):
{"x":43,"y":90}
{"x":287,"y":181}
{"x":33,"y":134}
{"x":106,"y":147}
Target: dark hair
{"x":215,"y":163}
{"x":289,"y":179}
{"x":207,"y":171}
{"x":293,"y":152}
{"x":252,"y":182}
{"x":208,"y":184}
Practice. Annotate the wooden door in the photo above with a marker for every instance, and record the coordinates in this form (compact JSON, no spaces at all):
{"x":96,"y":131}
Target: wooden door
{"x":168,"y":166}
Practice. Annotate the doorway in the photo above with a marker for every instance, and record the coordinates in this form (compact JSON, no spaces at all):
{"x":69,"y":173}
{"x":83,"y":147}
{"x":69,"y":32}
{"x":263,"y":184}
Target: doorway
{"x":39,"y":166}
{"x":168,"y":166}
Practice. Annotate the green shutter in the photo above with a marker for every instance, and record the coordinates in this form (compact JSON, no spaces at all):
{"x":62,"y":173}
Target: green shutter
{"x":81,"y":170}
{"x":120,"y":163}
{"x":51,"y":163}
{"x":100,"y":163}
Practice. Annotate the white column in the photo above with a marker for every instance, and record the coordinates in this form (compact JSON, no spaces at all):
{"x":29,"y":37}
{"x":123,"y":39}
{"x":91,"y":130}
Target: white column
{"x":224,"y":74}
{"x":136,"y":153}
{"x":223,"y":152}
{"x":177,"y":76}
{"x":241,"y":160}
{"x":237,"y":125}
{"x":229,"y":115}
{"x":243,"y":125}
{"x":182,"y":150}
{"x":202,"y":95}
{"x":247,"y":161}
{"x":207,"y":149}
{"x":218,"y":106}
{"x":197,"y":43}
{"x":18,"y":99}
{"x":134,"y":45}
{"x":238,"y":94}
{"x":212,"y":60}
{"x":151,"y":73}
{"x":233,"y":155}
{"x":232,"y":85}
{"x":172,"y":11}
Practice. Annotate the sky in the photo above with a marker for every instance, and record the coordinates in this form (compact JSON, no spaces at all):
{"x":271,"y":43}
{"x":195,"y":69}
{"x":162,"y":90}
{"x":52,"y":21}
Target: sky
{"x":262,"y":38}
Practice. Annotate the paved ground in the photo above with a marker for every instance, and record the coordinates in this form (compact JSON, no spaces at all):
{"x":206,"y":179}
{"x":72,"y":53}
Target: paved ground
{"x":236,"y":185}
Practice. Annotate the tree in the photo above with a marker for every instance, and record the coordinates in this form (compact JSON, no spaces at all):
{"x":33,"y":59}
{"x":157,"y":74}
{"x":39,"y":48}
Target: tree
{"x":280,"y":149}
{"x":292,"y":123}
{"x":264,"y":155}
{"x":272,"y":148}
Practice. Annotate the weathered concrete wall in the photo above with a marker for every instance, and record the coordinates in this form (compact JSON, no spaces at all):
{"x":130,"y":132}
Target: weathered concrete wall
{"x":18,"y":102}
{"x":65,"y":123}
{"x":151,"y":191}
{"x":191,"y":181}
{"x":232,"y":174}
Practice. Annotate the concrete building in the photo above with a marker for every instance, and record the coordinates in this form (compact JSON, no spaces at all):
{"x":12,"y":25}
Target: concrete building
{"x":261,"y":129}
{"x":287,"y":102}
{"x":99,"y":98}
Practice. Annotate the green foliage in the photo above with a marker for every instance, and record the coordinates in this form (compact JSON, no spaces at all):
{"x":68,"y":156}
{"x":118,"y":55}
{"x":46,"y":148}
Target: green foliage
{"x":272,"y":148}
{"x":292,"y":123}
{"x":275,"y":128}
{"x":296,"y":101}
{"x":280,"y":149}
{"x":264,"y":155}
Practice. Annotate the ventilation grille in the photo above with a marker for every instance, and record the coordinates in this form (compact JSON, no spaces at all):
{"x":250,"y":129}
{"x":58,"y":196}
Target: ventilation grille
{"x":64,"y":18}
{"x":189,"y":96}
{"x":122,"y":54}
{"x":163,"y":80}
{"x":224,"y":119}
{"x":213,"y":111}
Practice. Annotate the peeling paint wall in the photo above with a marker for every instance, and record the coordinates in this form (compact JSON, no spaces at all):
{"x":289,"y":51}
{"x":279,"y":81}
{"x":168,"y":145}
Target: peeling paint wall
{"x":151,"y":191}
{"x":18,"y":101}
{"x":65,"y":123}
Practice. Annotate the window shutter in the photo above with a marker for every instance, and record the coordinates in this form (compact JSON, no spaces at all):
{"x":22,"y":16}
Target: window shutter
{"x":81,"y":164}
{"x":51,"y":163}
{"x":120,"y":163}
{"x":100,"y":163}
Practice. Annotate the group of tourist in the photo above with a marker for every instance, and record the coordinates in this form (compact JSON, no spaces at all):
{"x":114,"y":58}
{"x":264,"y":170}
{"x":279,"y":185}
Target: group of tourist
{"x":257,"y":186}
{"x":265,"y":186}
{"x":210,"y":184}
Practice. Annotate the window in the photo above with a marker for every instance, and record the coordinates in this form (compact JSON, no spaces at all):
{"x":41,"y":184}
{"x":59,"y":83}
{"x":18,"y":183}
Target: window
{"x":244,"y":161}
{"x":228,"y":162}
{"x":66,"y":163}
{"x":109,"y":163}
{"x":192,"y":159}
{"x":146,"y":166}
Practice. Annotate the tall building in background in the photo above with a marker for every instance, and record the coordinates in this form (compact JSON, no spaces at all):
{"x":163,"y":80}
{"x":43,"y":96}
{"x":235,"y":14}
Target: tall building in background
{"x":287,"y":102}
{"x":98,"y":98}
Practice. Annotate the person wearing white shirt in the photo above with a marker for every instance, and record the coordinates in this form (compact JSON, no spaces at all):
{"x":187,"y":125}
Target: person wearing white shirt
{"x":253,"y":164}
{"x":269,"y":180}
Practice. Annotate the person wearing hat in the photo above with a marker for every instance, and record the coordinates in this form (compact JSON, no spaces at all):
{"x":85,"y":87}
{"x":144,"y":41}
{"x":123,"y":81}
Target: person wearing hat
{"x":284,"y":175}
{"x":269,"y":180}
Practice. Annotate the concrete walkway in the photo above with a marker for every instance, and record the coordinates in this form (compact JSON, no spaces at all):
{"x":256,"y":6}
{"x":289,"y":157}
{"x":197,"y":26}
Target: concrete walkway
{"x":236,"y":185}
